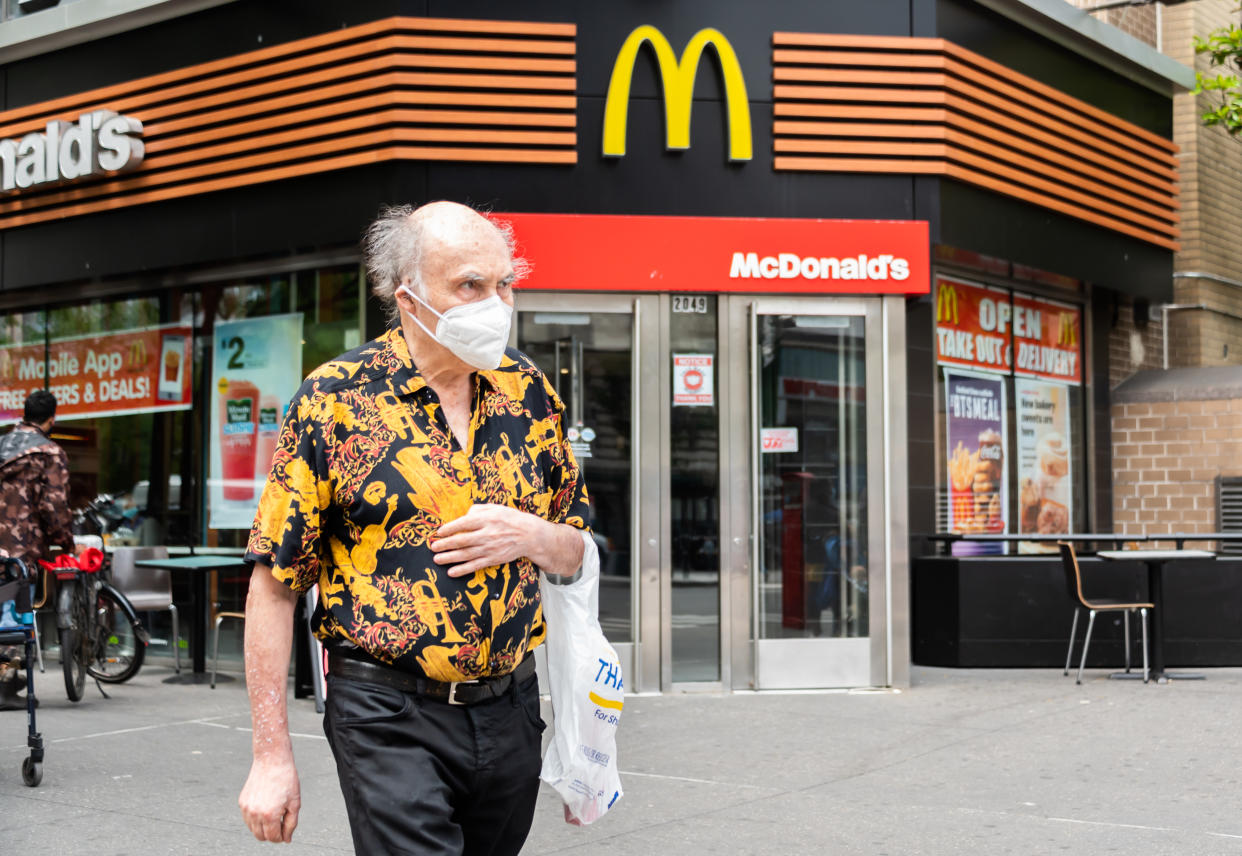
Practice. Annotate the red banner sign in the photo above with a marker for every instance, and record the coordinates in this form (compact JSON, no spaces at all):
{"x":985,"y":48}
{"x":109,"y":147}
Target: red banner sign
{"x":982,"y":328}
{"x":598,"y":252}
{"x":132,"y":371}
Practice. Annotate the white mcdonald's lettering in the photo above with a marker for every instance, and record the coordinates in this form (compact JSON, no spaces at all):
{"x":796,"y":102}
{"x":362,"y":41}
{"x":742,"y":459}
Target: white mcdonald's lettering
{"x":1046,"y":360}
{"x":97,"y":143}
{"x":793,"y":266}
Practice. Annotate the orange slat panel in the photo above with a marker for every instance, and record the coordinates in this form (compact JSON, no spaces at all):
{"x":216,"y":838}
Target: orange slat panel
{"x":390,"y":84}
{"x":1059,"y":190}
{"x":159,"y":142}
{"x":854,"y":147}
{"x":1009,"y":189}
{"x":1123,"y":186}
{"x":884,"y":60}
{"x":1117,"y":140}
{"x":857,"y":129}
{"x":242,"y":162}
{"x":379,"y":119}
{"x":254,"y":82}
{"x":860,"y":93}
{"x":1054,"y":142}
{"x":785,"y":74}
{"x":837,"y":40}
{"x":854,"y":111}
{"x":264,"y":58}
{"x":1056,"y":95}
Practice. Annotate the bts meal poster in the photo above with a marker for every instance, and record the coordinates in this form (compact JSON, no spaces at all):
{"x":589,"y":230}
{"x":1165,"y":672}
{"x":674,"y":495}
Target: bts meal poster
{"x":1045,"y":467}
{"x":254,"y":380}
{"x":978,"y":480}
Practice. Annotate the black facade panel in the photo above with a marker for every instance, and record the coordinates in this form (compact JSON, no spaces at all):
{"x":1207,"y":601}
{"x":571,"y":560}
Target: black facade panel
{"x":1103,"y":304}
{"x":995,"y":225}
{"x":998,"y":38}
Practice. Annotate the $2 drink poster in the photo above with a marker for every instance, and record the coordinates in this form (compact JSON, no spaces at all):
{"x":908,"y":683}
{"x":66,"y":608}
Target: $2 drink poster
{"x":253,"y":381}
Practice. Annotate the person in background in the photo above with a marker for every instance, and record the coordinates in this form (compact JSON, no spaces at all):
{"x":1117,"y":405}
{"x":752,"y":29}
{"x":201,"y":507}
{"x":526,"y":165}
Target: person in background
{"x":423,"y":481}
{"x":34,"y":507}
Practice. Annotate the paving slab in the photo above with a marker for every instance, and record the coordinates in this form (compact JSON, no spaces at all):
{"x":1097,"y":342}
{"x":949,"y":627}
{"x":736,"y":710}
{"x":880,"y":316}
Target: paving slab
{"x":962,"y":762}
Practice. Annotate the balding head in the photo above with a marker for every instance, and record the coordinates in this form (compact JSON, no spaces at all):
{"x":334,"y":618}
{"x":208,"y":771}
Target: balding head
{"x":399,"y":242}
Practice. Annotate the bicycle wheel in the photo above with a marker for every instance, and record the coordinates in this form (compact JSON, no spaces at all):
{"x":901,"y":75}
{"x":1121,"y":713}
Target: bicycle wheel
{"x":118,"y":651}
{"x":71,"y":660}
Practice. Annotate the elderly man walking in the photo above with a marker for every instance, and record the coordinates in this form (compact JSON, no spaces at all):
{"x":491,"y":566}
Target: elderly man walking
{"x":422,"y":480}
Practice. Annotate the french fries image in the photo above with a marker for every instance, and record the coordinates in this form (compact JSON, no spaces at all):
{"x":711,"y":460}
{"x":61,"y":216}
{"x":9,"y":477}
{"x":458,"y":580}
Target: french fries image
{"x":962,"y":467}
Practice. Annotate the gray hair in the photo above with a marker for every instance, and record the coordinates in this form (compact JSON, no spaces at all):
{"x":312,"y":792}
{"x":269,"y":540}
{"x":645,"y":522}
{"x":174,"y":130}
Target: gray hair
{"x":393,"y":252}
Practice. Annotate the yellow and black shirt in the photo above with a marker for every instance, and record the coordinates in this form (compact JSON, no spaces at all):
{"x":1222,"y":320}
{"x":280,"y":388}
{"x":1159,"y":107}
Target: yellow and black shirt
{"x":366,"y":470}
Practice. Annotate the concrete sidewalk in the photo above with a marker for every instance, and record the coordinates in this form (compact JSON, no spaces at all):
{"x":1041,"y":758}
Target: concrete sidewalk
{"x":964,"y":762}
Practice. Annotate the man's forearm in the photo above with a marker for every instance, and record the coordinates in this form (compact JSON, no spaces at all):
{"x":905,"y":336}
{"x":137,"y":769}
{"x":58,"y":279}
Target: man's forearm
{"x":557,"y":549}
{"x":269,"y":639}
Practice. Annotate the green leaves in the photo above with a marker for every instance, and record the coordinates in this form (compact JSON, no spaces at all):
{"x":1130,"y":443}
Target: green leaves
{"x":1224,"y":89}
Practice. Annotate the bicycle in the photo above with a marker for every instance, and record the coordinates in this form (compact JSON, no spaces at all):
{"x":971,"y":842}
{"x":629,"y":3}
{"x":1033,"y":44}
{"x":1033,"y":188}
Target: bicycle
{"x":100,"y":634}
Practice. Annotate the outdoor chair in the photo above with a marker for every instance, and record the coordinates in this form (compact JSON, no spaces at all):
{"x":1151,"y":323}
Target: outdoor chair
{"x":148,"y":589}
{"x":1073,"y":581}
{"x":215,"y":640}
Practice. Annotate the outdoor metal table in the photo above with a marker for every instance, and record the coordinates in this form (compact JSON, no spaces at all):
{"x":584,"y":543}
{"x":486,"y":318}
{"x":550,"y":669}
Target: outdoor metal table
{"x":199,"y":566}
{"x":1155,"y":561}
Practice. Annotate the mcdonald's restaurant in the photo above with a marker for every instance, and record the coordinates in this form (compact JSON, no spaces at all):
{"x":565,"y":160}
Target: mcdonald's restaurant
{"x":815,"y":281}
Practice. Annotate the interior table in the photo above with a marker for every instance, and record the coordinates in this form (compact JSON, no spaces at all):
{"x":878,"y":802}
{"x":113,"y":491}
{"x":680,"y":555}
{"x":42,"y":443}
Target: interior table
{"x":1155,"y":560}
{"x":198,"y":566}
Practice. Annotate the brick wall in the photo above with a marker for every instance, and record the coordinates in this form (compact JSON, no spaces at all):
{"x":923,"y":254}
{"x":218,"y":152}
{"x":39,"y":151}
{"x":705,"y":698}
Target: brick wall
{"x":1133,"y":347}
{"x":1166,"y":458}
{"x":1211,"y":187}
{"x":1137,"y":21}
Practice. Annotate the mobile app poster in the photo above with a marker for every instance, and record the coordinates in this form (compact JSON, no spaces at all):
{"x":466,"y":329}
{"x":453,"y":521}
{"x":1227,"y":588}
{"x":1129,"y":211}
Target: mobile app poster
{"x":977,"y":465}
{"x":256,"y":369}
{"x":142,"y":370}
{"x":1045,"y":465}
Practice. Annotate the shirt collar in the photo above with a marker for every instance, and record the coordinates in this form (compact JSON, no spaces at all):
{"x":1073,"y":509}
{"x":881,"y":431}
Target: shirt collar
{"x":408,"y":380}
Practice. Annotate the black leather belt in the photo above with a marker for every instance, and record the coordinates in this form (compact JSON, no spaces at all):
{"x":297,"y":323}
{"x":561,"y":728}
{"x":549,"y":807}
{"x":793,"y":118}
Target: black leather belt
{"x":459,"y":692}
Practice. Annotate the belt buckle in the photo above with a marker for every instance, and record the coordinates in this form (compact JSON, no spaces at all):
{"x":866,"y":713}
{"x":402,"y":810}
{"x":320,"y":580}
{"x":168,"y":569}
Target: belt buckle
{"x":452,"y":693}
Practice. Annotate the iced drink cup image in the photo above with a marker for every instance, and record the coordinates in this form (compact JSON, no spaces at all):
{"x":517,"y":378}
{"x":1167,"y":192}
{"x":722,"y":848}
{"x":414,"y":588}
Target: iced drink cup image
{"x":239,"y":406}
{"x":269,"y":431}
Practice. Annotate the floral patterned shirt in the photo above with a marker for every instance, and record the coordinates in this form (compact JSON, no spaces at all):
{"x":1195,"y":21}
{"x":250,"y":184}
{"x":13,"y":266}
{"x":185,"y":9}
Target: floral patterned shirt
{"x":366,"y":470}
{"x":34,"y":502}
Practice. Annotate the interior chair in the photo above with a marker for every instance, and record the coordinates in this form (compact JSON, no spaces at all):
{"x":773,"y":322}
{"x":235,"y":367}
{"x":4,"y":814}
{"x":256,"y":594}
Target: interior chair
{"x":1073,"y":581}
{"x":215,"y":640}
{"x":148,"y":589}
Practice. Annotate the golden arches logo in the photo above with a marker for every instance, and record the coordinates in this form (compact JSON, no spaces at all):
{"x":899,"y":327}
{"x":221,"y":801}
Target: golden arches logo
{"x":677,"y":77}
{"x":946,"y":304}
{"x":137,"y":354}
{"x":1067,"y":335}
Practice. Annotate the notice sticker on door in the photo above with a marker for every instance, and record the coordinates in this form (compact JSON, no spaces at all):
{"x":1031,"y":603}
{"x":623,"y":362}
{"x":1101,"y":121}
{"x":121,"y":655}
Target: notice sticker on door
{"x":772,"y":440}
{"x":693,"y":385}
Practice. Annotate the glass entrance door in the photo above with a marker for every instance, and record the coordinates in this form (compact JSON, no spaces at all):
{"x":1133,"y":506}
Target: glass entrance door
{"x":587,"y":346}
{"x":816,"y":537}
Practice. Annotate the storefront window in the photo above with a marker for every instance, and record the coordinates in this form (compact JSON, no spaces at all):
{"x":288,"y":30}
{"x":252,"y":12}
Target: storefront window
{"x":138,"y":387}
{"x":1011,"y":456}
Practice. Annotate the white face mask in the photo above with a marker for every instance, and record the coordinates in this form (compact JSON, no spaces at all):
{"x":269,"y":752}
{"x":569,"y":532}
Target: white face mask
{"x":477,"y":333}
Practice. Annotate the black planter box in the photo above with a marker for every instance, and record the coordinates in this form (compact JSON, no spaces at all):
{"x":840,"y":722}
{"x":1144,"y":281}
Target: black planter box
{"x":1002,"y":611}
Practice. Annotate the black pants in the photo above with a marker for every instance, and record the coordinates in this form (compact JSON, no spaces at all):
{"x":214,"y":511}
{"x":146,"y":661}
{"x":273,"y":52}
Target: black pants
{"x":426,"y":777}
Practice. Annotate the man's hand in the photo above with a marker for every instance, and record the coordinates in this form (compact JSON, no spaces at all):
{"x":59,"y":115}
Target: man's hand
{"x":488,"y":535}
{"x":270,"y":801}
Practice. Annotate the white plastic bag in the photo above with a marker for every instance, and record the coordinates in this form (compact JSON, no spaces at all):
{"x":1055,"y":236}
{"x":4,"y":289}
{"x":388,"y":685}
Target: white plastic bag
{"x":587,"y":695}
